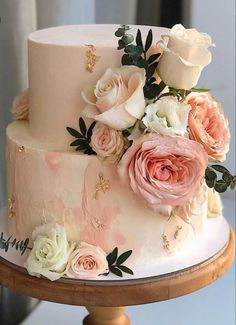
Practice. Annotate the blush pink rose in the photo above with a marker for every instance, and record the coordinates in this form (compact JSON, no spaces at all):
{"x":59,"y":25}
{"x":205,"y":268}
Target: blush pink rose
{"x":20,"y":106}
{"x":163,"y":170}
{"x":208,"y":125}
{"x":117,"y":99}
{"x":86,"y":262}
{"x":108,"y":143}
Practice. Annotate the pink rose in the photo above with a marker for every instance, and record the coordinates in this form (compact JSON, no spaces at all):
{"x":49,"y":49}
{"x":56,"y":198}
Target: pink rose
{"x":87,"y":261}
{"x":20,"y":106}
{"x":117,"y":99}
{"x":208,"y":125}
{"x":108,"y":143}
{"x":165,"y":171}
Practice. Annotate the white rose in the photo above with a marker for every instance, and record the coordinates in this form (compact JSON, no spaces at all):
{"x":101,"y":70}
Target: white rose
{"x":117,"y":99}
{"x":20,"y":106}
{"x":109,"y":144}
{"x":184,"y":57}
{"x":50,"y":253}
{"x":215,"y":207}
{"x":167,"y":116}
{"x":87,"y":261}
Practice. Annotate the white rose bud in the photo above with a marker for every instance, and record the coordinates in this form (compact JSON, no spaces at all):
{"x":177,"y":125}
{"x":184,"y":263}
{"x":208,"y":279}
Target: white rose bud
{"x":167,"y":116}
{"x":184,"y":57}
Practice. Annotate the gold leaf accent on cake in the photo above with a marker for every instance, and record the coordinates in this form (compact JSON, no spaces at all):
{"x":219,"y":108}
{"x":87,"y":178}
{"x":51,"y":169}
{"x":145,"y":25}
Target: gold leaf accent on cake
{"x":176,"y":234}
{"x":97,"y":223}
{"x":103,"y":185}
{"x":21,"y":149}
{"x":166,"y":242}
{"x":92,"y":58}
{"x":11,"y":202}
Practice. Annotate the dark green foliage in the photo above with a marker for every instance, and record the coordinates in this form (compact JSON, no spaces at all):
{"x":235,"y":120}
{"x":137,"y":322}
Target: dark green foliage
{"x":220,"y":185}
{"x":83,"y":138}
{"x":115,"y":262}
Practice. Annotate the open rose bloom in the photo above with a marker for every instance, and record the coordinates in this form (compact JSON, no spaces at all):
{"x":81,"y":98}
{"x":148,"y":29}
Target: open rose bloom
{"x":165,"y":171}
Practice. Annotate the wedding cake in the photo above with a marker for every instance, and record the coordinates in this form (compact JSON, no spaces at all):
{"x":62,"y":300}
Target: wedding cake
{"x":108,"y":157}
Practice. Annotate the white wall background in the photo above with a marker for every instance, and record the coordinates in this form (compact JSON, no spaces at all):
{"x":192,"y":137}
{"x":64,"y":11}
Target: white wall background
{"x":218,"y":19}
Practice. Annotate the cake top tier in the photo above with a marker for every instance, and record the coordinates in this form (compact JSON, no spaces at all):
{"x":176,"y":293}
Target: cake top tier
{"x":79,"y":35}
{"x":62,"y":62}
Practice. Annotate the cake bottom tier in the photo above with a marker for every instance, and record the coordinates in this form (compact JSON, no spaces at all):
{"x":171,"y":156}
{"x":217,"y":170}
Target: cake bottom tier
{"x":86,"y":196}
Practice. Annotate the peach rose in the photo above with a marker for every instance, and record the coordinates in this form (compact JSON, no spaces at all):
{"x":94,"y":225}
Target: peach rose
{"x":87,"y":261}
{"x":215,"y":207}
{"x":185,"y":54}
{"x":20,"y":106}
{"x":208,"y":125}
{"x":108,"y":143}
{"x":165,"y":171}
{"x":117,"y":99}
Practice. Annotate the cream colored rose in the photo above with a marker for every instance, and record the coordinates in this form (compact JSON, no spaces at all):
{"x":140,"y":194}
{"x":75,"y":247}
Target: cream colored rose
{"x":20,"y":106}
{"x":215,"y":207}
{"x":195,"y":206}
{"x":167,"y":116}
{"x":117,"y":99}
{"x":109,"y":144}
{"x":50,"y":253}
{"x":87,"y":261}
{"x":184,"y":56}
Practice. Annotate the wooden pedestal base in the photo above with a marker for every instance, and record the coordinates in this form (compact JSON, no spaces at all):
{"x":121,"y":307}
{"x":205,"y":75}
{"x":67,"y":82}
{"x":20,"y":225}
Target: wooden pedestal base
{"x":106,"y":316}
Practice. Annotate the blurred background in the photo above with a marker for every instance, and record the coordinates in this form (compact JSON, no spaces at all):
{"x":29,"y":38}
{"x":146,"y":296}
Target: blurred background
{"x":212,"y":305}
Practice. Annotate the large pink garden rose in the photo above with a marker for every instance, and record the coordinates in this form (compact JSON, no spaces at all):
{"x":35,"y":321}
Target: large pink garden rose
{"x":165,"y":171}
{"x":208,"y":125}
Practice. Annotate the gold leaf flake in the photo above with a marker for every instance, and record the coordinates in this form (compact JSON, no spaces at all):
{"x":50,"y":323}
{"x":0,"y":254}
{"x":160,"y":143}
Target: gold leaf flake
{"x":97,"y":223}
{"x":103,"y":185}
{"x":166,"y":243}
{"x":11,"y":202}
{"x":92,"y":58}
{"x":21,"y":149}
{"x":176,"y":234}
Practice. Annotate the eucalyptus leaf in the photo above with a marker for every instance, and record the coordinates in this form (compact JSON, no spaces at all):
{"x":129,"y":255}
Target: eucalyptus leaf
{"x":123,"y":257}
{"x":210,"y":174}
{"x":121,"y":45}
{"x":152,"y":91}
{"x":220,"y":186}
{"x":127,"y":60}
{"x":127,"y":39}
{"x":220,"y":169}
{"x":227,"y":177}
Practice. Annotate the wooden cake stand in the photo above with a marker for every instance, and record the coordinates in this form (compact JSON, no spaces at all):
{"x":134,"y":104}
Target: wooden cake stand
{"x":102,"y":298}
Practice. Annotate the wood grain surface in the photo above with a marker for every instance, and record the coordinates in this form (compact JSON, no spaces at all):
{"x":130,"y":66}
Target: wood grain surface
{"x":119,"y":293}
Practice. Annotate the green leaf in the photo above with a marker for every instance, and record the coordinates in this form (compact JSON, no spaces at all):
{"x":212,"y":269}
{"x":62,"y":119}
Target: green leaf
{"x":233,"y":183}
{"x":82,"y":146}
{"x":90,"y":130}
{"x":116,"y":271}
{"x":151,"y":91}
{"x":82,"y":126}
{"x":127,"y":60}
{"x":220,"y":186}
{"x":121,"y":45}
{"x":139,"y":41}
{"x":200,"y":90}
{"x":127,"y":39}
{"x":111,"y":258}
{"x":151,"y":70}
{"x":123,"y":257}
{"x":153,"y":58}
{"x":149,"y":40}
{"x":220,"y":169}
{"x":74,"y":132}
{"x":125,"y":269}
{"x":120,"y":32}
{"x":75,"y":143}
{"x":142,"y":64}
{"x":89,"y":151}
{"x":133,"y":50}
{"x":210,"y":174}
{"x":227,"y":177}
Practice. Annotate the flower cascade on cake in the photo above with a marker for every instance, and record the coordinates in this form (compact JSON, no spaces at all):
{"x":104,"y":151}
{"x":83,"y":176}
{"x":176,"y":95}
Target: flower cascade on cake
{"x":164,"y":137}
